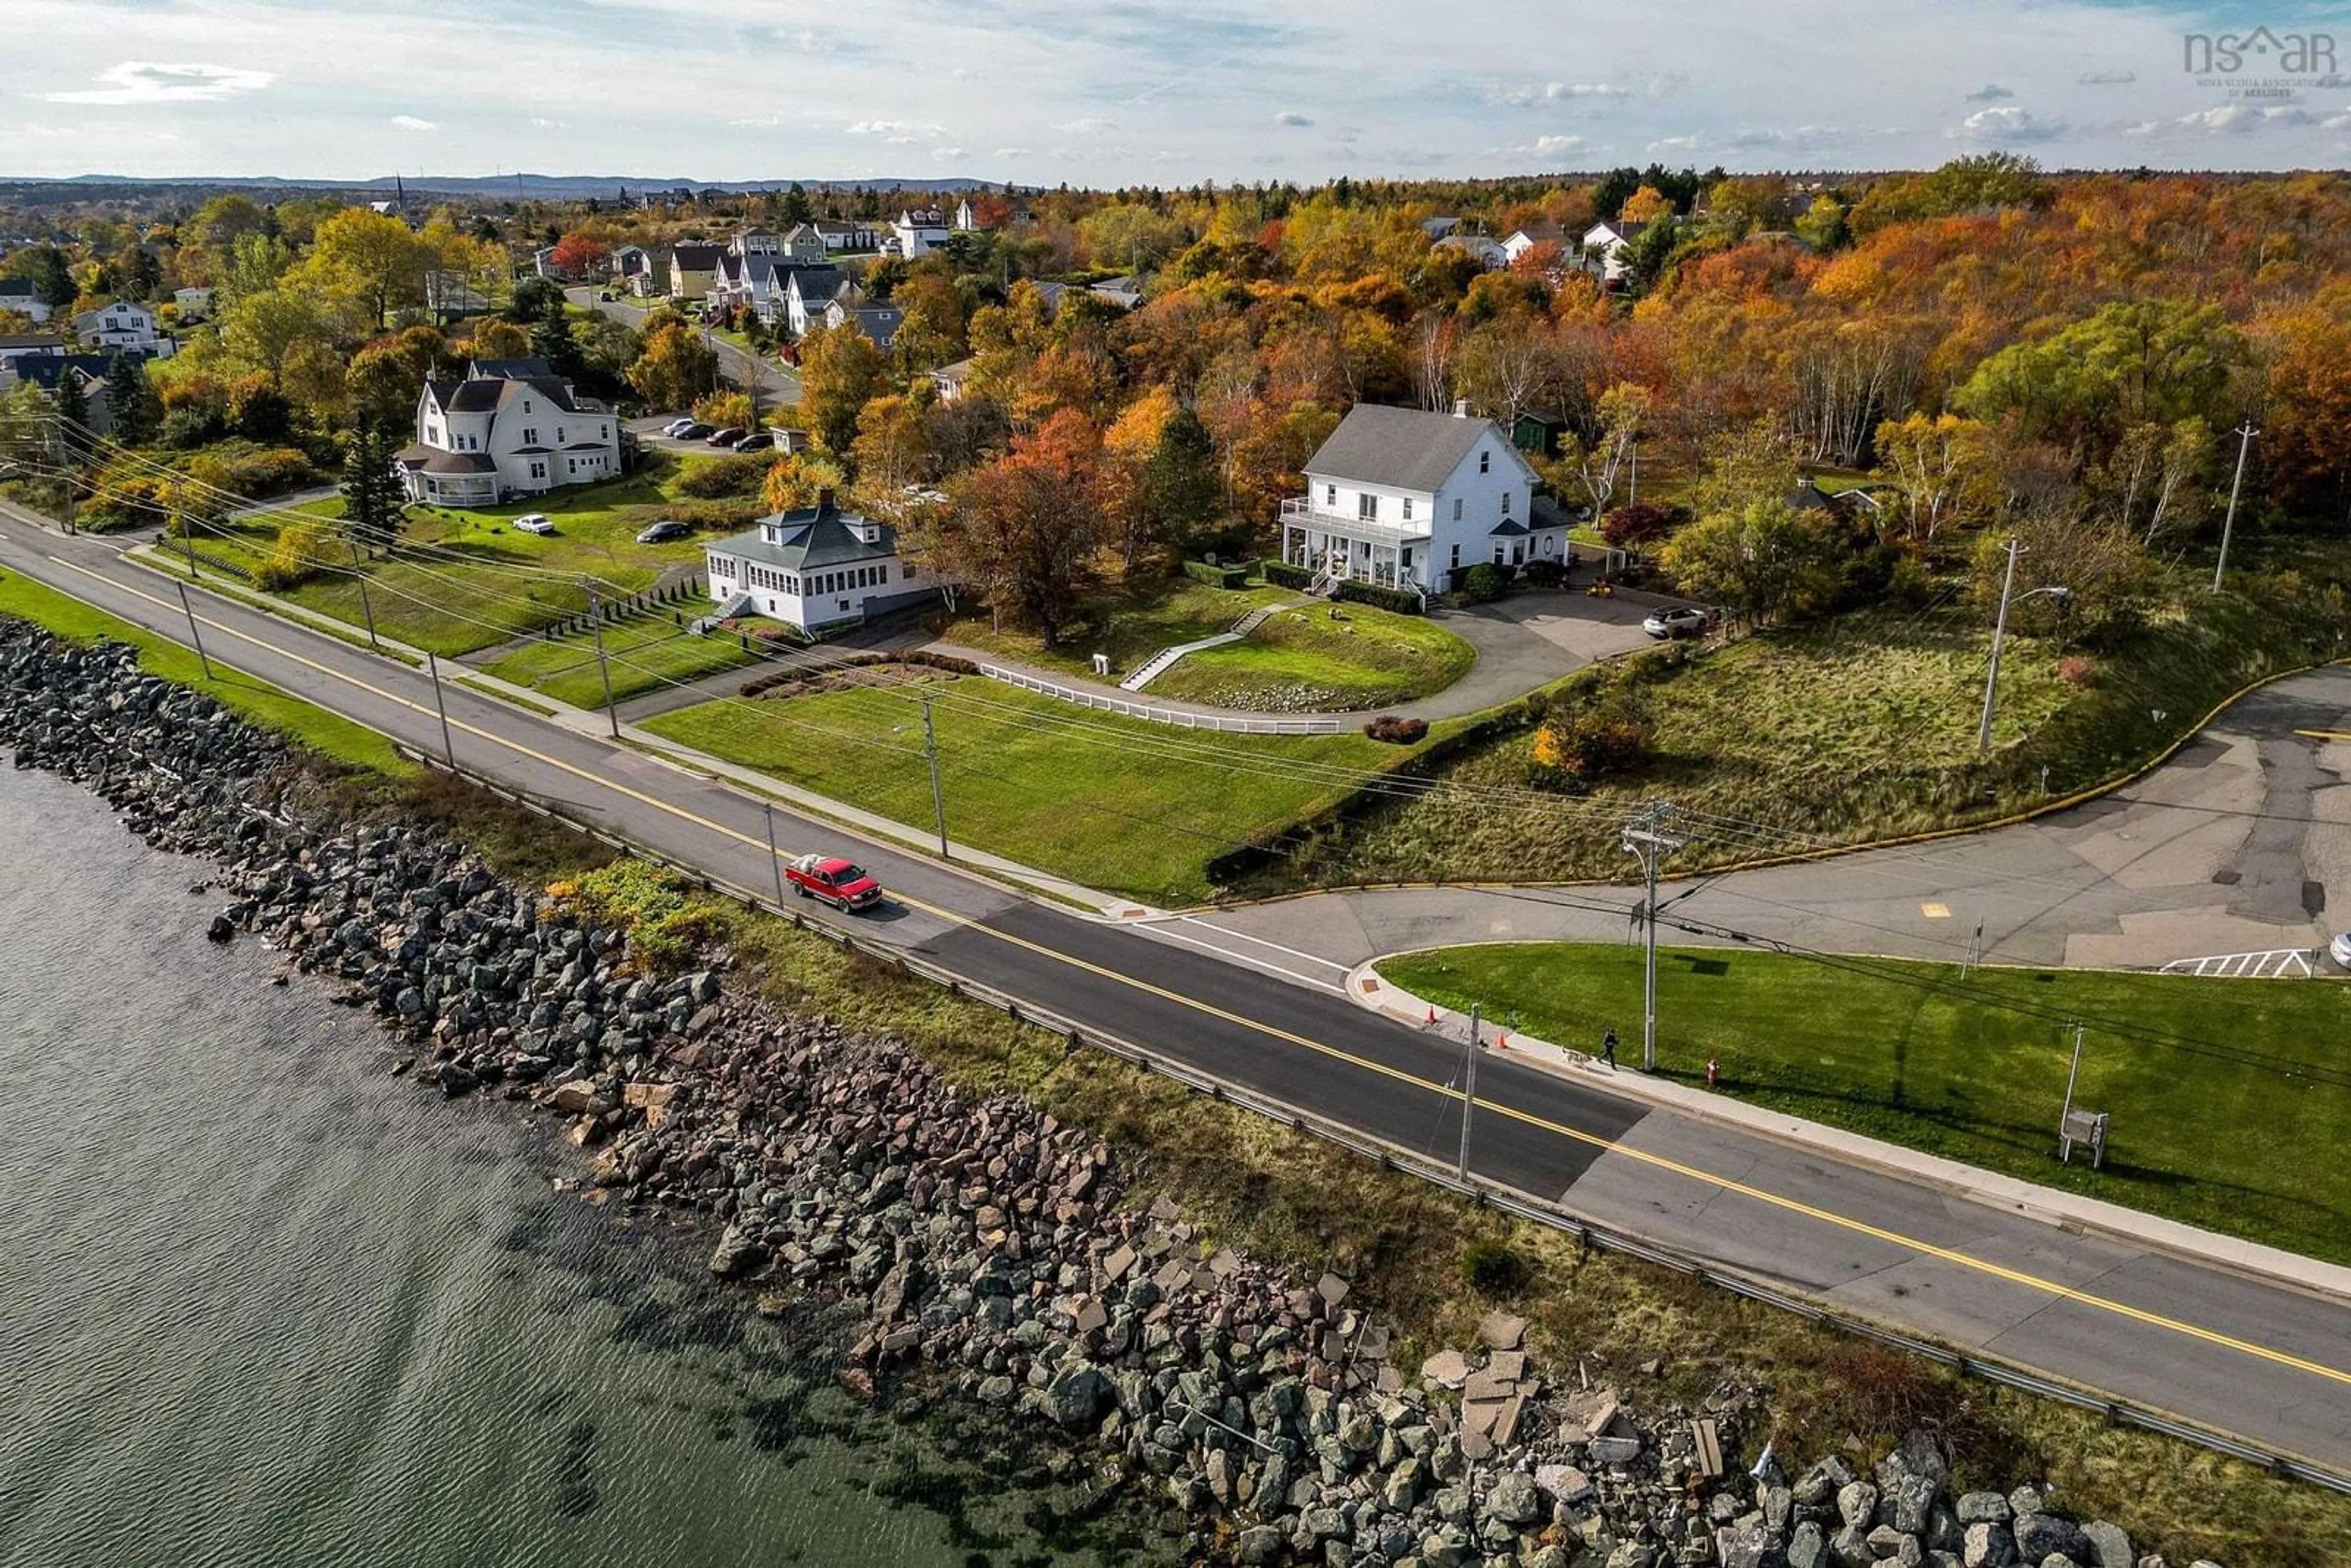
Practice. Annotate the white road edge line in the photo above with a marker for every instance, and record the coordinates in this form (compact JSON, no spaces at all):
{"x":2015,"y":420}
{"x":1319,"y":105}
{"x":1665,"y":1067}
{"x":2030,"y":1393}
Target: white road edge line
{"x":1228,"y":955}
{"x":1229,"y":931}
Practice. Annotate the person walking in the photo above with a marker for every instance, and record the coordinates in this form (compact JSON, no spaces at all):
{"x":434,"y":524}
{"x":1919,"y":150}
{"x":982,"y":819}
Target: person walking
{"x":1608,"y":1049}
{"x":1713,"y":1072}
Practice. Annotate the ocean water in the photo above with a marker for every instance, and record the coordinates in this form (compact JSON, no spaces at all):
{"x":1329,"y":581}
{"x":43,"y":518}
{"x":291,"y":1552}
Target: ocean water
{"x":262,"y":1304}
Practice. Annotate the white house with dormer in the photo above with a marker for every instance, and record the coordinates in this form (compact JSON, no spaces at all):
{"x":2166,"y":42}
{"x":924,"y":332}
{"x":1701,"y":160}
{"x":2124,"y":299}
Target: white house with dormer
{"x":1604,"y":244}
{"x":919,"y":232}
{"x":126,"y":326}
{"x":1405,"y":498}
{"x":511,"y":427}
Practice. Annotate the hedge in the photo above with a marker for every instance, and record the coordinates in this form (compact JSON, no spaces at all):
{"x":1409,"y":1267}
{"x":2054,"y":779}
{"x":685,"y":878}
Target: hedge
{"x":1282,"y":574}
{"x":1379,"y":598}
{"x":1216,"y":576}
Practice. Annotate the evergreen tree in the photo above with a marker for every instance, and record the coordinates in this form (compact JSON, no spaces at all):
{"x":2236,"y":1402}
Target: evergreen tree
{"x":552,"y":340}
{"x":138,"y":412}
{"x":371,"y":494}
{"x":796,"y":209}
{"x":73,"y":400}
{"x":1181,"y":476}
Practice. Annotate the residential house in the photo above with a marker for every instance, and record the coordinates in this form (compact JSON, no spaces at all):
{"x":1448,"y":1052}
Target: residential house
{"x":22,"y":345}
{"x":810,"y":289}
{"x":1522,"y":241}
{"x":17,"y":293}
{"x":879,"y":322}
{"x":950,"y":380}
{"x":48,"y":371}
{"x":816,"y":568}
{"x":1605,"y":245}
{"x":511,"y":427}
{"x":804,"y":245}
{"x":692,"y":269}
{"x":966,"y":220}
{"x":1410,"y":499}
{"x":1438,"y":228}
{"x":194,"y":304}
{"x":126,"y":325}
{"x":755,"y":242}
{"x":1489,"y":253}
{"x":851,"y":238}
{"x":919,"y":231}
{"x":641,"y":271}
{"x":1126,"y":293}
{"x":756,"y":280}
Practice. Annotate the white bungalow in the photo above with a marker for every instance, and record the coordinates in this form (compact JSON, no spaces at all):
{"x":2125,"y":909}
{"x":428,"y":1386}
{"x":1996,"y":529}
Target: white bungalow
{"x":815,"y":568}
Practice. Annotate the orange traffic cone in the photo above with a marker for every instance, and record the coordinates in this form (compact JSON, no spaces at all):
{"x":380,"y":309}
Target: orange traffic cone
{"x":1502,"y":1040}
{"x":1431,"y":1023}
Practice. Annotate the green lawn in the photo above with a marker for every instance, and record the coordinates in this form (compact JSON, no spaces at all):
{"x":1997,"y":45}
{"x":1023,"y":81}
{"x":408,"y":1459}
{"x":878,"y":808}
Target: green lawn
{"x":258,"y":701}
{"x":1130,"y":628}
{"x":1108,"y":807}
{"x":644,"y":652}
{"x":1311,"y":660}
{"x":2229,"y":1097}
{"x":458,"y":606}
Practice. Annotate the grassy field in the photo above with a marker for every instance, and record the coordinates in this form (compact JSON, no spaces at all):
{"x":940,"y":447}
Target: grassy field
{"x":256,"y":700}
{"x":507,"y":584}
{"x":1130,"y":628}
{"x":2223,"y":1093}
{"x":1128,"y":807}
{"x":1305,"y":660}
{"x":1859,"y":728}
{"x":645,"y":652}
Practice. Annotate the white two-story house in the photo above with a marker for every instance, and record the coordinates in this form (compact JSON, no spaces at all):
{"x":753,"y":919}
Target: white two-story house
{"x":919,"y":231}
{"x":512,"y":427}
{"x":1405,"y":498}
{"x":127,"y":326}
{"x":815,"y":568}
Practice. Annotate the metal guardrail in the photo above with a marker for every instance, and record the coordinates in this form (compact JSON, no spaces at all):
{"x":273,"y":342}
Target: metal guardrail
{"x":1320,"y":724}
{"x":1394,"y":1157}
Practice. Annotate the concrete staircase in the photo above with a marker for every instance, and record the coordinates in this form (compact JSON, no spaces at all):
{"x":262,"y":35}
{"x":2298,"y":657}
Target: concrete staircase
{"x":1150,"y":669}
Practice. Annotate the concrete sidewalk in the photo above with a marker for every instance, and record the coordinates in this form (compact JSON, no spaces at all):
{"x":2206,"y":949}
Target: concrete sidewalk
{"x":1367,"y":989}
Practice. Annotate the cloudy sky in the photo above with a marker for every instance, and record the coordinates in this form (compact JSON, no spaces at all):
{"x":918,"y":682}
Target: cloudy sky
{"x":1113,"y":91}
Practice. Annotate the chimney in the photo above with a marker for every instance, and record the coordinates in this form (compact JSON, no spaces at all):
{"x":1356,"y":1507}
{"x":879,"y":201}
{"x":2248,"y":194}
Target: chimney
{"x":824,"y":500}
{"x":1460,"y":408}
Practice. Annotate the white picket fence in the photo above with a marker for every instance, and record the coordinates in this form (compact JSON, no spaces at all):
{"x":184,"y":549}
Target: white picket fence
{"x":1232,"y":724}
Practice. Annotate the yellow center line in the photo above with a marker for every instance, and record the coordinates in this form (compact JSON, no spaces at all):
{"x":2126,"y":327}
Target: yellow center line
{"x":1396,"y":1074}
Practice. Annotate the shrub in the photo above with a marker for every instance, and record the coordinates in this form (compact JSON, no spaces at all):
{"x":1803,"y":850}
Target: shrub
{"x":1215,"y":576}
{"x":1495,"y":1269}
{"x":713,"y":514}
{"x":1398,"y":731}
{"x":1575,"y":749}
{"x":301,"y":554}
{"x":1643,"y":523}
{"x":1546,"y":573}
{"x":1373,"y":594}
{"x":2076,"y":670}
{"x":736,"y":473}
{"x":666,"y":916}
{"x":1484,"y":582}
{"x":1283,"y":575}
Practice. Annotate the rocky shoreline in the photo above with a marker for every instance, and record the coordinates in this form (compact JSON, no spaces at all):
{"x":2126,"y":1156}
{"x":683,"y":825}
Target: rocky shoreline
{"x":995,"y":1252}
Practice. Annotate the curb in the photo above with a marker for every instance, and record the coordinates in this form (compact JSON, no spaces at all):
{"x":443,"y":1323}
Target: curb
{"x":2331,"y":1283}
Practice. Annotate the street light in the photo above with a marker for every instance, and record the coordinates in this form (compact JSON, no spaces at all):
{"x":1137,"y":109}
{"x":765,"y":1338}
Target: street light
{"x":1999,"y":635}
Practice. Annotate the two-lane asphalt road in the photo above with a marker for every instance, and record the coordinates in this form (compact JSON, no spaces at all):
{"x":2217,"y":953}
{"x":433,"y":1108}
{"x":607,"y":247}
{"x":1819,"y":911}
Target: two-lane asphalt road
{"x":2228,"y":1351}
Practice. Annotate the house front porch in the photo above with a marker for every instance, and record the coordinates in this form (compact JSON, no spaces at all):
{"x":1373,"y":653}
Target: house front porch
{"x":1355,"y":551}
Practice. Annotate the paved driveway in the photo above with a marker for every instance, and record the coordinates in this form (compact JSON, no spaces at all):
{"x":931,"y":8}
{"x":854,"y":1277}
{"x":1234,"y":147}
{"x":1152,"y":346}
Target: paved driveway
{"x":1528,"y":640}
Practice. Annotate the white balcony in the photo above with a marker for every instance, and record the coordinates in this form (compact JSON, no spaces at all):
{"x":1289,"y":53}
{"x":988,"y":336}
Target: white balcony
{"x":1304,"y":511}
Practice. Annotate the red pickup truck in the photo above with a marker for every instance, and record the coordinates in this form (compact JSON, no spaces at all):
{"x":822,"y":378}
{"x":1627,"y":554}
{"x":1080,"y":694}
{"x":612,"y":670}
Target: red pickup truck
{"x":839,"y":882}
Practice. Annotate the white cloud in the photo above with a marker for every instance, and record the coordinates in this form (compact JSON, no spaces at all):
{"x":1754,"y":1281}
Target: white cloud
{"x":410,"y":122}
{"x":1091,"y":125}
{"x":1550,"y":144}
{"x":1555,"y":90}
{"x":1292,"y":119}
{"x":2009,"y":122}
{"x":1990,"y":92}
{"x":2239,"y":119}
{"x":2107,"y":78}
{"x":540,"y":122}
{"x":1668,"y":144}
{"x":764,"y":122}
{"x":54,"y":132}
{"x":1010,"y":153}
{"x":949,"y":154}
{"x":134,"y":81}
{"x":896,"y":128}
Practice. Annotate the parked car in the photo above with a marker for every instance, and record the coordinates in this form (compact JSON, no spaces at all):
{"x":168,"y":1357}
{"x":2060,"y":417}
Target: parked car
{"x":1678,"y":622}
{"x":534,"y":523}
{"x":757,"y":441}
{"x":839,"y":882}
{"x":693,"y":432}
{"x":607,"y":296}
{"x":726,"y":437}
{"x":677,"y":427}
{"x":661,"y":533}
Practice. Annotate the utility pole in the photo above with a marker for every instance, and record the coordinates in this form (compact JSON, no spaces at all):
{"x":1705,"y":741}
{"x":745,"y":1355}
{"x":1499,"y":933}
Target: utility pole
{"x":938,"y":800}
{"x":1645,"y":839}
{"x":441,"y":706}
{"x":596,"y":619}
{"x":2245,"y":433}
{"x":1468,"y":1095}
{"x":775,"y":861}
{"x":359,"y":575}
{"x":193,"y":636}
{"x":188,"y":541}
{"x":1999,"y":634}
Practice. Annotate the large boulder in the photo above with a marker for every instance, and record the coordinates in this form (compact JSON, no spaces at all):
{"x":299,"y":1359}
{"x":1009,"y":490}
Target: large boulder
{"x":1987,"y":1545}
{"x":2043,"y":1535}
{"x":1513,"y":1500}
{"x":2109,"y":1547}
